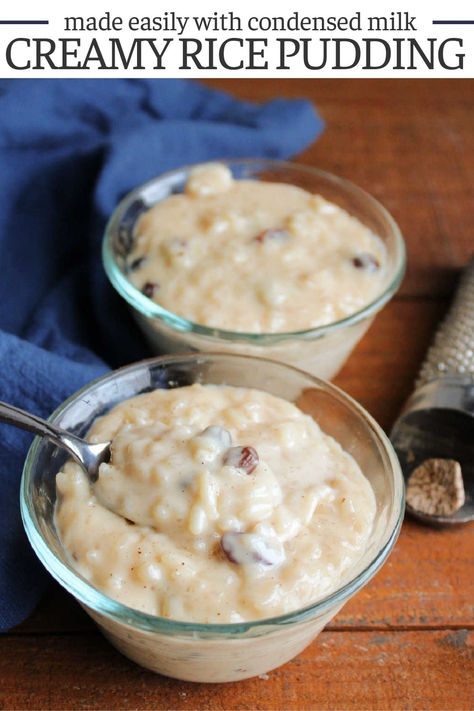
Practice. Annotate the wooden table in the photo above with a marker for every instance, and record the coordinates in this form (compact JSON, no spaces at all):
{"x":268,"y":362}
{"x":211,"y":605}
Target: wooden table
{"x":405,"y":641}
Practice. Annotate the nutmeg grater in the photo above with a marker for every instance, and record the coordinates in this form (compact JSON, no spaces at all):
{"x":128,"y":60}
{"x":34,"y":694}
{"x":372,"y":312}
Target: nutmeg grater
{"x":437,"y":420}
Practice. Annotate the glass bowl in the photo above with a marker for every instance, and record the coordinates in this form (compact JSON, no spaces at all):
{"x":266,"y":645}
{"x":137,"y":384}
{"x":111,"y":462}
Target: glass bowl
{"x":320,"y":351}
{"x":214,"y":652}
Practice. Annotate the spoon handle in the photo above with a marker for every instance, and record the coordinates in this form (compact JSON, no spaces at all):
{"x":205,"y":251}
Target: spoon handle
{"x":25,"y":420}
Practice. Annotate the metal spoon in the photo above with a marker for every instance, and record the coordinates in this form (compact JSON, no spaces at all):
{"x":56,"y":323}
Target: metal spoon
{"x":89,"y":456}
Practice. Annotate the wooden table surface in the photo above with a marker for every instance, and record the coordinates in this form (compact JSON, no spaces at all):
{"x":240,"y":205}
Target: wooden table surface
{"x":405,"y":641}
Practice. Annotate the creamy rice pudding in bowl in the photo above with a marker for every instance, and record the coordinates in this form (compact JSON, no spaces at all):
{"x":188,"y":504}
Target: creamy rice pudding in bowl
{"x":255,"y":257}
{"x":245,"y":501}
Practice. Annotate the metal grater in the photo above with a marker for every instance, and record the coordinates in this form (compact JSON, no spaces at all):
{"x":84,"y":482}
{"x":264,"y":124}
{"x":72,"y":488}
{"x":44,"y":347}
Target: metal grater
{"x":452,"y":350}
{"x":437,"y":421}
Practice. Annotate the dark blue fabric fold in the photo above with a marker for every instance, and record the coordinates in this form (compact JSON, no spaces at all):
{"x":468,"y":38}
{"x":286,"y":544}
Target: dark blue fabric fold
{"x":69,"y":150}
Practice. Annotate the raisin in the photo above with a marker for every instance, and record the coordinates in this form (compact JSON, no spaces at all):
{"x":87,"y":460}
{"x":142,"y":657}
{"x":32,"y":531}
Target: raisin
{"x":276,"y":235}
{"x":241,"y":548}
{"x":149,"y":288}
{"x":136,"y":264}
{"x":245,"y":458}
{"x":228,"y":541}
{"x":366,"y":261}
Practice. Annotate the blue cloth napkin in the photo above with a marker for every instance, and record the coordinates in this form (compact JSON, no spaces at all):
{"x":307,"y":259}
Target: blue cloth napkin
{"x":70,"y":149}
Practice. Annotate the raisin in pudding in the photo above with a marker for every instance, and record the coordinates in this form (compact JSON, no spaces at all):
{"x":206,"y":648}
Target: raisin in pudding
{"x":254,"y":256}
{"x":219,"y":504}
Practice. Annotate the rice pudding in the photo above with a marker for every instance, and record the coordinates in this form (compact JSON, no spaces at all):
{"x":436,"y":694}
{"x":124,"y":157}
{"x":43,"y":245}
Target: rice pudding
{"x":254,"y":256}
{"x":220,"y":504}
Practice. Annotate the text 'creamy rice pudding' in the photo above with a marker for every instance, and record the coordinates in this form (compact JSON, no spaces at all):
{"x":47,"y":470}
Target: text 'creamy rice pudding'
{"x":254,"y":256}
{"x":220,"y":504}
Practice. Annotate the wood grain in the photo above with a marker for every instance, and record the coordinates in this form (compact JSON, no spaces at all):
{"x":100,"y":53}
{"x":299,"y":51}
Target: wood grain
{"x":381,"y":371}
{"x":340,"y":670}
{"x":428,"y":581}
{"x":405,"y":641}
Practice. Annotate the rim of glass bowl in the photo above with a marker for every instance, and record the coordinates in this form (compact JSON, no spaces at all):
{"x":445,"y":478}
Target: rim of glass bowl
{"x":81,"y":589}
{"x":151,"y":309}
